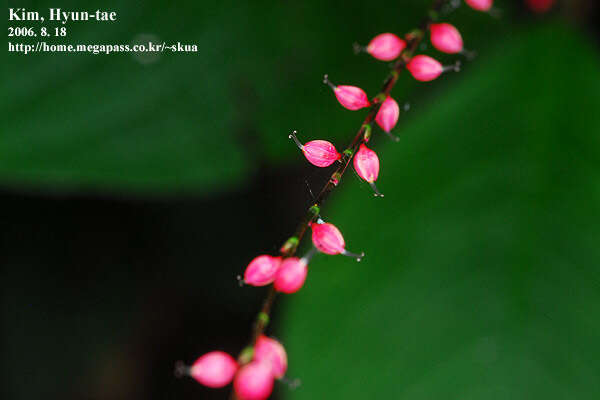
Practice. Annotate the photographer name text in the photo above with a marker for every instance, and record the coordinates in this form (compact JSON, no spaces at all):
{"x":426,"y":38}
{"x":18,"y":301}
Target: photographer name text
{"x":60,"y":15}
{"x":37,"y":31}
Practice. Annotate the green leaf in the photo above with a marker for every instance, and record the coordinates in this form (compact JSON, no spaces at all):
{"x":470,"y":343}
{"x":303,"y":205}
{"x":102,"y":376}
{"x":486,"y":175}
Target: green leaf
{"x":482,"y":274}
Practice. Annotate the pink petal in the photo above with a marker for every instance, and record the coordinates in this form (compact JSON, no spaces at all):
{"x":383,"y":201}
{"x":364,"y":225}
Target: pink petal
{"x":214,"y":369}
{"x":291,"y":275}
{"x":320,"y":153}
{"x":424,"y":68}
{"x":480,"y":5}
{"x":446,"y":38}
{"x":366,"y":164}
{"x":261,"y":271}
{"x":327,"y":238}
{"x":388,"y":113}
{"x":254,"y":381}
{"x":351,"y":97}
{"x":271,"y":351}
{"x":386,"y":46}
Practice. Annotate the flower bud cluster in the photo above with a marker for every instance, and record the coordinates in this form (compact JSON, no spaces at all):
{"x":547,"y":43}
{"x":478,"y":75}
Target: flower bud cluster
{"x":259,"y":365}
{"x":252,"y":380}
{"x":289,"y":274}
{"x":386,"y":47}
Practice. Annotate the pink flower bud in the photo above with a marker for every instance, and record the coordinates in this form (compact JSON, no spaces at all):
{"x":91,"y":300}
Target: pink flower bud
{"x":386,"y":46}
{"x":320,"y":153}
{"x":329,"y":240}
{"x":272,"y":352}
{"x":291,"y":275}
{"x":424,"y":68}
{"x":351,"y":97}
{"x":388,"y":113}
{"x":214,"y":369}
{"x":366,"y":164}
{"x":254,"y":381}
{"x":480,"y":5}
{"x":446,"y":38}
{"x":261,"y":271}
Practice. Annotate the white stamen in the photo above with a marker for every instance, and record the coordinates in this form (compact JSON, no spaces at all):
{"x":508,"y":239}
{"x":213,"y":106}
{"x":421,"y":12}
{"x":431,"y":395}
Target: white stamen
{"x":377,"y":192}
{"x":295,"y":139}
{"x":328,"y":82}
{"x":358,"y":257}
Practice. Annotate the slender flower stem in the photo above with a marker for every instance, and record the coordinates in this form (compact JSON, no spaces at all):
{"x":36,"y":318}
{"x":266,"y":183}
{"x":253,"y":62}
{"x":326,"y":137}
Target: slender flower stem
{"x":291,"y":245}
{"x":262,"y":320}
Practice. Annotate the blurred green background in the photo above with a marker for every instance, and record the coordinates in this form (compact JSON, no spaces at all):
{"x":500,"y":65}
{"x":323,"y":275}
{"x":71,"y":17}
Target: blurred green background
{"x":134,"y":190}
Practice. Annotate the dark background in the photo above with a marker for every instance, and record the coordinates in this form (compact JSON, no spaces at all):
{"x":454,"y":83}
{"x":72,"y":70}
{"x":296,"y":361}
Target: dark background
{"x":135,"y":191}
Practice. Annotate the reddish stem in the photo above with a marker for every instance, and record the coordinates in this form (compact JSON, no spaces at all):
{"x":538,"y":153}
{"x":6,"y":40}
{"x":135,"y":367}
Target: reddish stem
{"x":313,"y":212}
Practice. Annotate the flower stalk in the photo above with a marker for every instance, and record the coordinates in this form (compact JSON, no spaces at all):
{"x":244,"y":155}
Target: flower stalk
{"x":263,"y":360}
{"x":289,"y":249}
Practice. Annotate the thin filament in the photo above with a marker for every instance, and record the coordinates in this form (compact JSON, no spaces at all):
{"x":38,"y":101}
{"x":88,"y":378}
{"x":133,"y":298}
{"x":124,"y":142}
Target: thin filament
{"x":358,"y":257}
{"x":377,"y":192}
{"x":328,"y":82}
{"x":181,"y":369}
{"x":295,"y":139}
{"x":455,"y":67}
